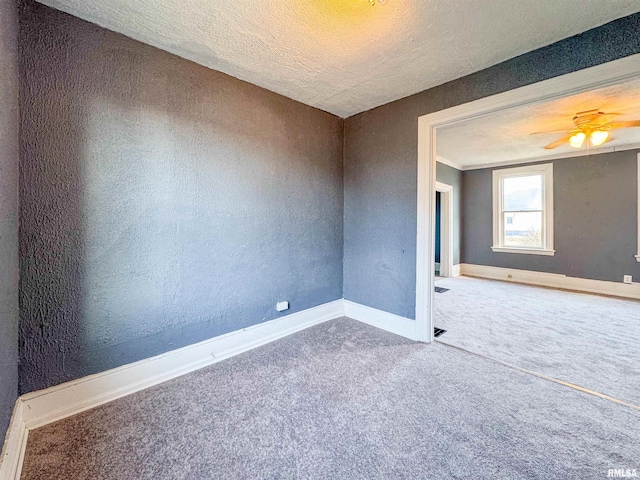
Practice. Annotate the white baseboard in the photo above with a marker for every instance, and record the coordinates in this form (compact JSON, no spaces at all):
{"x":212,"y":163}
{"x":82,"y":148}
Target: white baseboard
{"x":456,"y":270}
{"x":405,"y":327}
{"x":52,"y":404}
{"x":39,"y":408}
{"x":14,"y":445}
{"x":553,"y":280}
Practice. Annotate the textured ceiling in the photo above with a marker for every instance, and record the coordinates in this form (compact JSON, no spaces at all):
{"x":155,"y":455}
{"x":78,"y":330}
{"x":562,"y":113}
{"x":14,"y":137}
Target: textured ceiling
{"x":509,"y":136}
{"x":344,"y":56}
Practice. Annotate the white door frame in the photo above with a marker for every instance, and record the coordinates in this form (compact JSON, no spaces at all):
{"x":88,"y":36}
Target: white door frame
{"x":446,"y":228}
{"x":638,"y":224}
{"x":592,"y":78}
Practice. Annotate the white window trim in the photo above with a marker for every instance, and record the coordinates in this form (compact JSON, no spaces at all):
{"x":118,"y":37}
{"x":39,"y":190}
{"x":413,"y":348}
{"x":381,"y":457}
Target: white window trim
{"x":638,"y":223}
{"x":547,"y":171}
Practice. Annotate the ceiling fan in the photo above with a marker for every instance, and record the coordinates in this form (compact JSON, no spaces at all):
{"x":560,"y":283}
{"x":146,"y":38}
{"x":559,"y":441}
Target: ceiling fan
{"x":591,"y":124}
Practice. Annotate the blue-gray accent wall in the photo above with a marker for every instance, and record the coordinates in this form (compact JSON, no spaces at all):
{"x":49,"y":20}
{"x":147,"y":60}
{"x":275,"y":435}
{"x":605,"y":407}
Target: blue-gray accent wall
{"x":380,"y":162}
{"x":595,"y":219}
{"x":8,"y":211}
{"x":162,"y":203}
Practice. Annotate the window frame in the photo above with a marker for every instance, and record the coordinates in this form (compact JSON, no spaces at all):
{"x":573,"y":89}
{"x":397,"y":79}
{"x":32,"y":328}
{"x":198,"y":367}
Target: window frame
{"x":546,"y":170}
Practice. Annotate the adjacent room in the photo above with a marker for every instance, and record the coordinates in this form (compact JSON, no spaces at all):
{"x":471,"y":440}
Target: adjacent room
{"x":547,"y":235}
{"x":243,"y":240}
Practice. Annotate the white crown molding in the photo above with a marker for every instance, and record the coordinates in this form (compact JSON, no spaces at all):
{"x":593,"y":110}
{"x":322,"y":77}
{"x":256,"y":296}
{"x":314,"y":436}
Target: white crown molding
{"x":449,"y":163}
{"x":559,"y":156}
{"x":553,"y":280}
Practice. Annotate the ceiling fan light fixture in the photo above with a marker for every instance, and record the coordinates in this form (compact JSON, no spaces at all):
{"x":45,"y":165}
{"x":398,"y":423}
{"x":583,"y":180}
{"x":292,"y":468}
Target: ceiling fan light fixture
{"x":577,"y":139}
{"x":591,"y":124}
{"x":598,"y":137}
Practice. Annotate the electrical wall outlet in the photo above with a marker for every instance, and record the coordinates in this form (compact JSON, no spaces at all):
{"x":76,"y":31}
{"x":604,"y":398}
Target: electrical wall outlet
{"x":282,"y":306}
{"x":627,"y":279}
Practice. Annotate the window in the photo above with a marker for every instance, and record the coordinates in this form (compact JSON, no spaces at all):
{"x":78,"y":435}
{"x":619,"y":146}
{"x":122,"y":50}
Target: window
{"x":523,"y":210}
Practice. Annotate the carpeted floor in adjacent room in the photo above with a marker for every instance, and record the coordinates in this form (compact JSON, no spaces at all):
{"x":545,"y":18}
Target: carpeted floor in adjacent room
{"x":343,"y":400}
{"x":587,"y":340}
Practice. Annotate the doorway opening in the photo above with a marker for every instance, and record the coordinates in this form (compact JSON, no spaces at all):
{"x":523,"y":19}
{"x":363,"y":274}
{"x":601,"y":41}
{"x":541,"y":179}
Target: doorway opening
{"x":584,"y":80}
{"x":443,"y":242}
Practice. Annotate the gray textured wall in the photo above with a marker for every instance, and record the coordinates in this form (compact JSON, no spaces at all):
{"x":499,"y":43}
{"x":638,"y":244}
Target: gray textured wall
{"x":595,"y":226}
{"x":162,"y":203}
{"x":8,"y":212}
{"x":453,"y":177}
{"x":381,"y":161}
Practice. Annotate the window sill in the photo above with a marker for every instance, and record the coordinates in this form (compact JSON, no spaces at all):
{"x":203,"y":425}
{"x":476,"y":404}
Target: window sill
{"x":526,"y":251}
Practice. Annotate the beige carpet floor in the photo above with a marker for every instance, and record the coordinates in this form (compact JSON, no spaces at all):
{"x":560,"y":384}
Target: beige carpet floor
{"x":588,"y":340}
{"x":343,"y":400}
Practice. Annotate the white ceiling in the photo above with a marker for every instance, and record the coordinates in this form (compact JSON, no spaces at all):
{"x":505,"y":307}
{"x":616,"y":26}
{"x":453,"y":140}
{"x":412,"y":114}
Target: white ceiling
{"x":508,"y":137}
{"x":344,"y":56}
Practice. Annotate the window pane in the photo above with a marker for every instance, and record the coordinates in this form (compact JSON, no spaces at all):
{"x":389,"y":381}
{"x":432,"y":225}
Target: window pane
{"x":522,"y":193}
{"x":523,"y":229}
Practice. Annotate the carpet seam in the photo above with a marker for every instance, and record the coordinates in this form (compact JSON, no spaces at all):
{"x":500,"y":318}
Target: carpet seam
{"x":546,"y":377}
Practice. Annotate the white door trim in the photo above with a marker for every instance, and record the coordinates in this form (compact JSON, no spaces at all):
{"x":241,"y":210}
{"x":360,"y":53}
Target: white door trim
{"x":446,"y":228}
{"x":592,"y":78}
{"x":638,"y":221}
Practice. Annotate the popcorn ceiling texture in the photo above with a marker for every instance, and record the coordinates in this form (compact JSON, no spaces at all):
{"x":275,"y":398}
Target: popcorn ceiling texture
{"x":344,"y":56}
{"x":162,"y":203}
{"x":8,"y":212}
{"x":507,"y":135}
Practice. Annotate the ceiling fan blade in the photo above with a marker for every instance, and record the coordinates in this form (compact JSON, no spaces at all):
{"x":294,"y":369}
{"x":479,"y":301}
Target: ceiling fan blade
{"x":562,"y":130}
{"x":558,"y":142}
{"x":612,"y":114}
{"x":615,"y":125}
